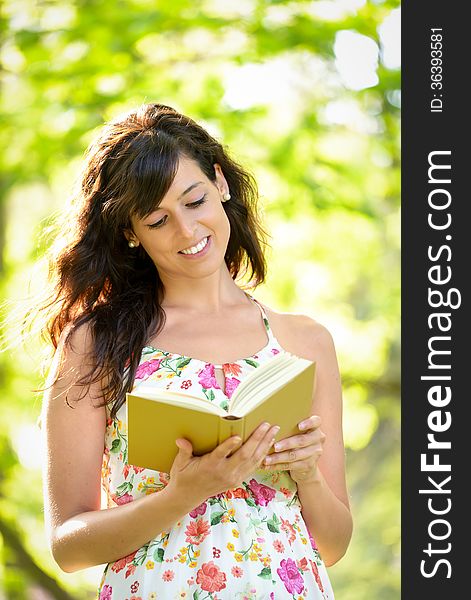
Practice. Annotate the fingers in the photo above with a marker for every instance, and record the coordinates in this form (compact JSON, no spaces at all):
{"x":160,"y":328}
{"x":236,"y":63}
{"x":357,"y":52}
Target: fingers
{"x":312,"y":435}
{"x":265,"y":444}
{"x":227,"y":447}
{"x":231,"y":461}
{"x":294,"y":458}
{"x":298,"y":451}
{"x":257,"y":446}
{"x":185,"y":453}
{"x":310,"y":438}
{"x":259,"y":435}
{"x":184,"y":446}
{"x":312,"y":422}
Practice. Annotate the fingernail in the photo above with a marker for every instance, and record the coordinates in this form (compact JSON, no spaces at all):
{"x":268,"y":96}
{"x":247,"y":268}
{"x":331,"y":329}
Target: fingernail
{"x":276,"y":429}
{"x":302,"y":425}
{"x":267,"y":460}
{"x":278,"y":447}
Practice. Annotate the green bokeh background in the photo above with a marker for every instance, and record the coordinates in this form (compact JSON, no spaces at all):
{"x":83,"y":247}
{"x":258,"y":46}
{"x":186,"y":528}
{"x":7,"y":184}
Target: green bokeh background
{"x":265,"y":77}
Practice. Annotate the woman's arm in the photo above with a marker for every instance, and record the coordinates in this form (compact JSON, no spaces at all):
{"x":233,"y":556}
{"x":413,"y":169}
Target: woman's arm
{"x":82,"y":535}
{"x":322,"y":489}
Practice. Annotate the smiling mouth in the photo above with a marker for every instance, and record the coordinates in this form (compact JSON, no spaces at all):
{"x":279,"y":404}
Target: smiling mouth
{"x":197,"y":248}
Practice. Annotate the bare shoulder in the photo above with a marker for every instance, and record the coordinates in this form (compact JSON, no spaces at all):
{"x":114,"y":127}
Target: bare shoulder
{"x":76,"y":340}
{"x":300,"y":334}
{"x":72,"y":360}
{"x":74,"y":348}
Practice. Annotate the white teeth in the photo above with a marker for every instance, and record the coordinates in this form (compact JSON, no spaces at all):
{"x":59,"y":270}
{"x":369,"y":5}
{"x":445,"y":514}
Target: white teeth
{"x":197,"y":248}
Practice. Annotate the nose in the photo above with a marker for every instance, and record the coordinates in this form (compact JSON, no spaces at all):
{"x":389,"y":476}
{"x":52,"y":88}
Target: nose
{"x":186,"y":225}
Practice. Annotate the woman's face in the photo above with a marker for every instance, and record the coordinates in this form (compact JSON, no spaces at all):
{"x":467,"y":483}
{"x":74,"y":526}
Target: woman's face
{"x":187,"y":235}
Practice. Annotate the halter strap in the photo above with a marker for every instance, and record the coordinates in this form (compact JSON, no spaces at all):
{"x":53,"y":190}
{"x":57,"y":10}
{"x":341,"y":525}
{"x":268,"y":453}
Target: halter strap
{"x":266,"y":322}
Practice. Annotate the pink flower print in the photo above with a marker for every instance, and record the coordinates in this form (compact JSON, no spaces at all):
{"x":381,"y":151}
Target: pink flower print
{"x":289,"y":530}
{"x":128,"y":467}
{"x":199,"y":510}
{"x":231,"y":385}
{"x":302,"y":564}
{"x":186,"y":384}
{"x":211,"y":578}
{"x":237,"y":571}
{"x":216,"y":552}
{"x":279,"y":546}
{"x":291,"y":577}
{"x":168,"y":575}
{"x":286,"y":492}
{"x":196,"y":531}
{"x":272,"y":595}
{"x":147,"y":368}
{"x":106,"y":593}
{"x":313,"y":541}
{"x":122,"y":562}
{"x":275,"y":351}
{"x":317,"y":577}
{"x":231,"y":369}
{"x":207,"y":378}
{"x":130,"y":570}
{"x":240,"y":493}
{"x":124,"y":499}
{"x":262,"y":493}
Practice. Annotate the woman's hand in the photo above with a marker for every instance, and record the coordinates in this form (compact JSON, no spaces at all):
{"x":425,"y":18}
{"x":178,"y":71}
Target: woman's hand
{"x":222,"y":469}
{"x":299,"y":453}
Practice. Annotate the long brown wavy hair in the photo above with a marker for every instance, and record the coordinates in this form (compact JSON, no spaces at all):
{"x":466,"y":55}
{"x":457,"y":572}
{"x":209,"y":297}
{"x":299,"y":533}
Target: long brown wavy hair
{"x":95,"y":278}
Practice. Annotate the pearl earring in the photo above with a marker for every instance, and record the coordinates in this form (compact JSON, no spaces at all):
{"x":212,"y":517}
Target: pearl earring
{"x":226,"y":197}
{"x":131,"y":244}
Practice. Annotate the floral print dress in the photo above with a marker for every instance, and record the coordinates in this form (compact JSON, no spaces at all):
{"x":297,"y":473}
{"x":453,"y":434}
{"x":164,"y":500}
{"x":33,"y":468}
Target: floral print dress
{"x":248,"y":543}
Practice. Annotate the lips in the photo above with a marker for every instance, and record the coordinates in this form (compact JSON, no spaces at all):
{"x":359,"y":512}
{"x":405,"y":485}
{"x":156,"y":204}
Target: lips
{"x":196,"y":248}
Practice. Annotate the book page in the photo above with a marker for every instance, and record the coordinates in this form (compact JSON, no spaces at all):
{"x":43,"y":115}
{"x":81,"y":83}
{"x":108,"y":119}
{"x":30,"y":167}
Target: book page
{"x":266,"y":380}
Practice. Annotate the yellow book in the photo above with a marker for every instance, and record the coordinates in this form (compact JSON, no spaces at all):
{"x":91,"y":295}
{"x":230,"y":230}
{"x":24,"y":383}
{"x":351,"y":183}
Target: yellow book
{"x":278,"y":391}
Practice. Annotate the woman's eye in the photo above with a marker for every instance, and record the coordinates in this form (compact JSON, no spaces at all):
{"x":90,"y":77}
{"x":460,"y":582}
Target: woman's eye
{"x":163,"y":220}
{"x":158,"y":223}
{"x":197,"y":202}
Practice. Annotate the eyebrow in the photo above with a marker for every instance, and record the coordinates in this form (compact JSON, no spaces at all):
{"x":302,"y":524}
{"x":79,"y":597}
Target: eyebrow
{"x":188,"y":190}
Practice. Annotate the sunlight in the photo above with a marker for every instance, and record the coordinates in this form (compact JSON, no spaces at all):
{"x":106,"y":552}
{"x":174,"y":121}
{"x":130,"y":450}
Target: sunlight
{"x":356,"y":59}
{"x":336,"y":9}
{"x":257,"y":84}
{"x":390,"y":35}
{"x":28,"y":444}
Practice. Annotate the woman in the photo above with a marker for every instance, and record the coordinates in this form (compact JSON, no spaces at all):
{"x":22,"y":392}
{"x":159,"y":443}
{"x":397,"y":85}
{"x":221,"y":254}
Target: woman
{"x":145,"y":291}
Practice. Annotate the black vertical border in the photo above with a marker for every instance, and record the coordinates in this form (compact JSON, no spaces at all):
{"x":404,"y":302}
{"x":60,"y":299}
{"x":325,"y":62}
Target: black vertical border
{"x":423,"y":132}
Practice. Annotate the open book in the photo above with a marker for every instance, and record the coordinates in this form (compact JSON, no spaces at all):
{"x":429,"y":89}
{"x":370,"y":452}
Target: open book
{"x":278,"y":391}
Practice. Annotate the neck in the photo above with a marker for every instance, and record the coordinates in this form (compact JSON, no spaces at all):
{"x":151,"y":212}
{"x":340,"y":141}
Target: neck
{"x":209,"y":295}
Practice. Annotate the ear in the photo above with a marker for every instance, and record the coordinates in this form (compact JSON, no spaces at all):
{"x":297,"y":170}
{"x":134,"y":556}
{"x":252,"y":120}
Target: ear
{"x":130,"y":236}
{"x":221,"y":182}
